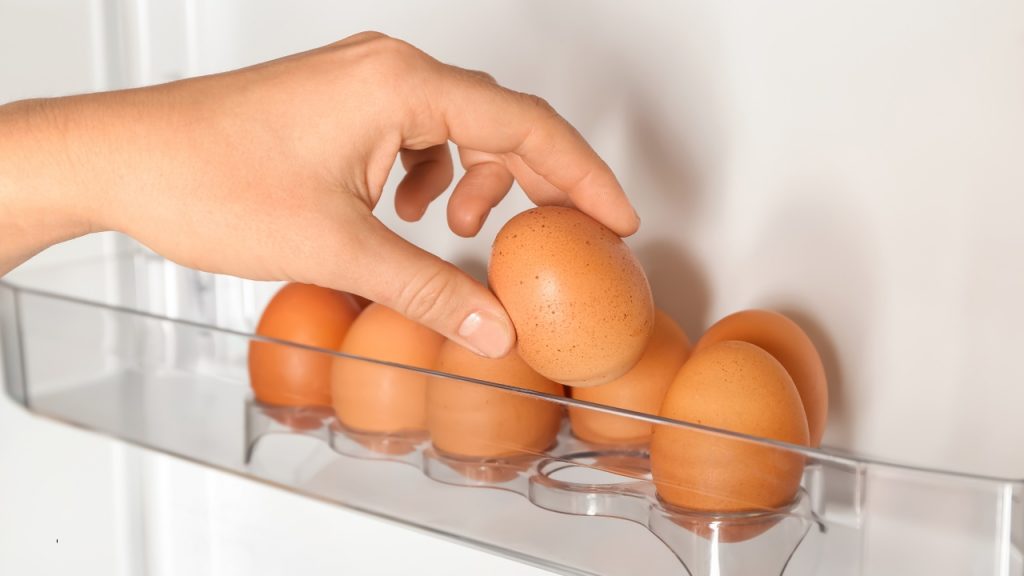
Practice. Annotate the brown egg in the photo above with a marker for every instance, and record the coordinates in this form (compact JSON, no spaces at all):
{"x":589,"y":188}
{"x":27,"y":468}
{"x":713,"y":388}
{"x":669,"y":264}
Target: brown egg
{"x":289,"y":376}
{"x":739,"y":387}
{"x":783,"y":339}
{"x":578,"y":298}
{"x":362,"y":301}
{"x":477,"y":421}
{"x":371,"y":397}
{"x":641,"y":389}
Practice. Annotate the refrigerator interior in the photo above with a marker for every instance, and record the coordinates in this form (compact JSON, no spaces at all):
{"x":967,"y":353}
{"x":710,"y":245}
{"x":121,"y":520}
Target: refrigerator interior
{"x":854,"y":166}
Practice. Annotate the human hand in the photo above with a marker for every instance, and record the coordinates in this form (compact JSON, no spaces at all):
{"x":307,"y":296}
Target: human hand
{"x":272,"y":172}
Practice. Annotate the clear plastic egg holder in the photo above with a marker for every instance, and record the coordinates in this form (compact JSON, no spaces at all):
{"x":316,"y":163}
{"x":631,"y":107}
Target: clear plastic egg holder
{"x":139,"y":349}
{"x":572,"y":477}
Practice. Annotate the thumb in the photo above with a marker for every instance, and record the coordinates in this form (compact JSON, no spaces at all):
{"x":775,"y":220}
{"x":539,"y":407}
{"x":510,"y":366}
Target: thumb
{"x":433,"y":292}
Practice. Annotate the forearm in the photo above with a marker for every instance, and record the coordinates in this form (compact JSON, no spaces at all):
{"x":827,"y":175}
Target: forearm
{"x":41,"y":201}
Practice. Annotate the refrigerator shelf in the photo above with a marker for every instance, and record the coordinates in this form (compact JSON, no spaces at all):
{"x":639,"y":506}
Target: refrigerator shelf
{"x":136,"y":348}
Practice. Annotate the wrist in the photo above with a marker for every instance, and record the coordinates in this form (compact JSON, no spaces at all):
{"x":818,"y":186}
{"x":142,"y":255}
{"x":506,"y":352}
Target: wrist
{"x":42,"y":201}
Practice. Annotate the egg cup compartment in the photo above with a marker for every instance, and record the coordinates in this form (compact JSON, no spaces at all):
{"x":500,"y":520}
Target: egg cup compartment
{"x":399,"y":447}
{"x":508,"y":473}
{"x":705,"y":543}
{"x":575,"y":478}
{"x":133,"y":347}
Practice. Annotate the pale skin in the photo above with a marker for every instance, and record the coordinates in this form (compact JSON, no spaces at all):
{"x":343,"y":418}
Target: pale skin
{"x":271,"y":173}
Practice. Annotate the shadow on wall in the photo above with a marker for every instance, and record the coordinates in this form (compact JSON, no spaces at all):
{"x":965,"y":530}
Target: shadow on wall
{"x":660,"y":176}
{"x":652,"y":109}
{"x":669,"y":119}
{"x":666,"y":189}
{"x":679,"y":286}
{"x":814,"y":257}
{"x":473,"y":265}
{"x":837,"y":409}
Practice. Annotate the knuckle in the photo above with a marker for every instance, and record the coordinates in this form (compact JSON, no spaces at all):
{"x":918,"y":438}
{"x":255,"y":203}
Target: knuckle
{"x":366,"y":36}
{"x":353,"y":42}
{"x":426,"y":297}
{"x":394,"y":51}
{"x":540,"y":103}
{"x":481,"y":75}
{"x":377,"y":51}
{"x":394,"y":62}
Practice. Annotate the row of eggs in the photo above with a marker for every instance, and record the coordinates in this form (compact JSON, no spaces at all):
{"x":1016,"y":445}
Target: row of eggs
{"x":585,"y":319}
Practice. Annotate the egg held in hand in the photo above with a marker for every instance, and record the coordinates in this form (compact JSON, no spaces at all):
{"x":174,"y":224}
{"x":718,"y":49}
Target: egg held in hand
{"x":642,"y":389}
{"x":371,"y":397}
{"x":738,"y":387}
{"x":473,"y":420}
{"x":285,"y":375}
{"x":789,"y":344}
{"x":579,"y":300}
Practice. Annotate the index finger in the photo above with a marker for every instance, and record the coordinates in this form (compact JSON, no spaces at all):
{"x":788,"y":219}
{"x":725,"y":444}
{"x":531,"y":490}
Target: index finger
{"x":485,"y":116}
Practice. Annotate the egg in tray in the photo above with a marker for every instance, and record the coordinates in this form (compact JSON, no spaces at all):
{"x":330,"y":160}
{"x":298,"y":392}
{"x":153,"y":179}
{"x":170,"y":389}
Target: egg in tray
{"x":603,"y":408}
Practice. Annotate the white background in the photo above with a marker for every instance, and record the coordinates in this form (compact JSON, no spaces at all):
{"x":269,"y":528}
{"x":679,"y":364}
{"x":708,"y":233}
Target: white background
{"x":857,"y":165}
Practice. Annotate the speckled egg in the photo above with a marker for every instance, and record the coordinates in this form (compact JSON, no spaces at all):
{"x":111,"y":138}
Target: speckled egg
{"x":371,"y":397}
{"x":738,"y":387}
{"x":579,"y":300}
{"x":478,"y":421}
{"x":285,"y":375}
{"x":642,"y":389}
{"x":789,"y":344}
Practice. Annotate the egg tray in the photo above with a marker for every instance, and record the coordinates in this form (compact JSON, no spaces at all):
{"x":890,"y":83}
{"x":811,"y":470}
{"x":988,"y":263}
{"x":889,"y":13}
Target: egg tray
{"x":578,"y":478}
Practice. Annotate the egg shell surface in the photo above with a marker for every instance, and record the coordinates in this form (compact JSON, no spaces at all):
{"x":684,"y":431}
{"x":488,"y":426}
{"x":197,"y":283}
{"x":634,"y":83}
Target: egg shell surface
{"x":477,"y":421}
{"x":578,"y":297}
{"x":789,"y":344}
{"x":642,"y":389}
{"x":284,"y":375}
{"x":371,"y":397}
{"x":738,"y":387}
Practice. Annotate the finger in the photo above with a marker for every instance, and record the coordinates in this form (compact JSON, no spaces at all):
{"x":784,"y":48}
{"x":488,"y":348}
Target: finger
{"x":484,"y":184}
{"x":428,"y":174}
{"x":486,"y":117}
{"x":433,"y":292}
{"x":539,"y":190}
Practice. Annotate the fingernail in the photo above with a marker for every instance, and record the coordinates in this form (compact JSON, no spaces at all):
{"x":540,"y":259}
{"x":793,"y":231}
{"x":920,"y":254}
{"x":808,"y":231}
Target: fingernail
{"x":486,"y":334}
